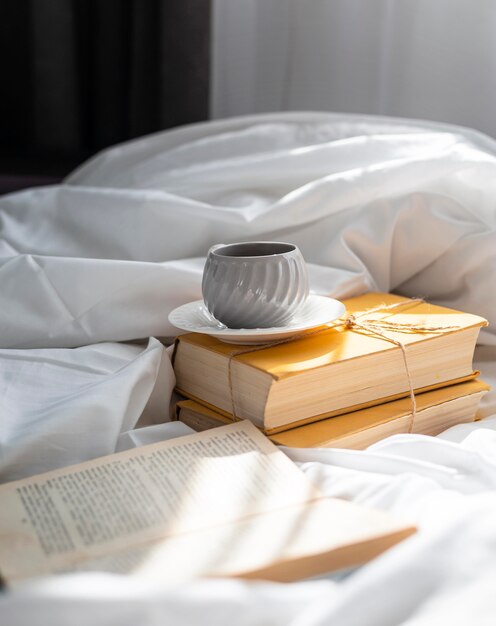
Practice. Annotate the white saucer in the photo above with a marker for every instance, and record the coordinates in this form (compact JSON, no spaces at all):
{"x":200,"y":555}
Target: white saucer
{"x":195,"y":318}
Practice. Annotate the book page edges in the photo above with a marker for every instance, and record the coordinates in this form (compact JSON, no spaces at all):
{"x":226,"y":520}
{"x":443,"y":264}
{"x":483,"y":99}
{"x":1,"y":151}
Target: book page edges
{"x":332,"y":560}
{"x":357,"y":421}
{"x":335,"y":344}
{"x":318,"y":437}
{"x":347,"y":410}
{"x":324,"y":349}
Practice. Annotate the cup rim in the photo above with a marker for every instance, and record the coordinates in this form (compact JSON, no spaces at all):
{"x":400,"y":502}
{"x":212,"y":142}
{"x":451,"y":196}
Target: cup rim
{"x":286,"y":248}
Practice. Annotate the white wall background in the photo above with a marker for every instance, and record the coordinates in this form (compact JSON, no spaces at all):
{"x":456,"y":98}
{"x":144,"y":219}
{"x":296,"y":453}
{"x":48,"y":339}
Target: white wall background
{"x":431,"y":59}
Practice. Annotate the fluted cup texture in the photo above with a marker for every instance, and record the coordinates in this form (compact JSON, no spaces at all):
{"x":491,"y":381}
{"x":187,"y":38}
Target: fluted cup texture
{"x":254,"y":284}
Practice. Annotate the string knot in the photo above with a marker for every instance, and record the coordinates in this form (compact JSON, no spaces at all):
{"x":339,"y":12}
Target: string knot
{"x":350,"y":321}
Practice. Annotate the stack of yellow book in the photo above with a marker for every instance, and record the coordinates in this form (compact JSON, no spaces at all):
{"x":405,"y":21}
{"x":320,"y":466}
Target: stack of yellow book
{"x":340,"y":387}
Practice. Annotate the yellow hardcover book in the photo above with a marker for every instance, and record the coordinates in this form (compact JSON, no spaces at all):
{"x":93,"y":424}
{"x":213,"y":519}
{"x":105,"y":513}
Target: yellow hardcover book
{"x":329,"y":372}
{"x":436,"y":411}
{"x":225,"y":502}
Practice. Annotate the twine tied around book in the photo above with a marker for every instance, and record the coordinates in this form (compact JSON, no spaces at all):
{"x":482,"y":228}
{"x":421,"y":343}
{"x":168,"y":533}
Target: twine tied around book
{"x":358,"y":323}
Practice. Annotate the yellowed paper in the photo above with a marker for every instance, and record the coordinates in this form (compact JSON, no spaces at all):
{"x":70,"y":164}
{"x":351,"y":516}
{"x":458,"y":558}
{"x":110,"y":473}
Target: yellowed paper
{"x":59,"y":518}
{"x":221,"y":502}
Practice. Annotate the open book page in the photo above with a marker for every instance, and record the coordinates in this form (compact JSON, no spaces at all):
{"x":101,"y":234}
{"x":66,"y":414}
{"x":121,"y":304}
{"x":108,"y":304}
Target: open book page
{"x":222,"y":502}
{"x":285,"y":545}
{"x":55,"y":520}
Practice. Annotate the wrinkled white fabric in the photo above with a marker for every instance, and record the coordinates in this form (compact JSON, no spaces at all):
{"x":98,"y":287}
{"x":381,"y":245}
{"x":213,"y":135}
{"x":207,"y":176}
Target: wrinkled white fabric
{"x":151,"y":434}
{"x":59,"y":406}
{"x":373,"y":204}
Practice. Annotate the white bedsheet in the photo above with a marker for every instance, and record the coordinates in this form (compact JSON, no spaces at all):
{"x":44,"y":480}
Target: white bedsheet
{"x":373,"y":204}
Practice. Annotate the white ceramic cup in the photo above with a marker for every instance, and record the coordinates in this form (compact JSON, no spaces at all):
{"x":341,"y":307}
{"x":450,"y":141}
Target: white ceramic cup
{"x":257,"y":284}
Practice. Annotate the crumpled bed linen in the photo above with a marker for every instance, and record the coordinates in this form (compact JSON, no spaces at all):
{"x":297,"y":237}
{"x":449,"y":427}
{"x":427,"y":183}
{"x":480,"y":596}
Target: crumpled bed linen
{"x":90,"y":269}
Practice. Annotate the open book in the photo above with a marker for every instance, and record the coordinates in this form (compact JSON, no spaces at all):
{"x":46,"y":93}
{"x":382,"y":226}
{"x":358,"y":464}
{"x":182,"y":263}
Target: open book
{"x":224,"y":502}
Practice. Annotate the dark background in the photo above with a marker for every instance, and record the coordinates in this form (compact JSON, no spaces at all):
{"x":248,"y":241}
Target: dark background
{"x":80,"y":75}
